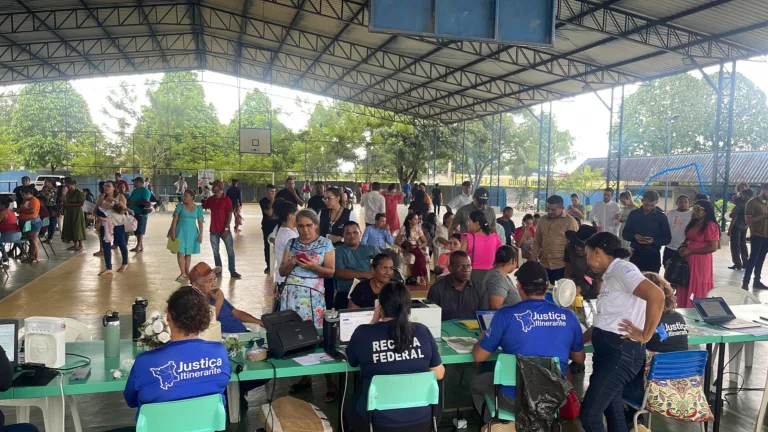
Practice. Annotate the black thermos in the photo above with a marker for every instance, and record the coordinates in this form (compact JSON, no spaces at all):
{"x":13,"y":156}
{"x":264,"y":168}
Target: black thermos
{"x":139,"y":310}
{"x":331,"y":321}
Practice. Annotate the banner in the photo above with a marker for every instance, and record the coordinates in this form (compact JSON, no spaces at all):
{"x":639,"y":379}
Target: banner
{"x":204,"y":178}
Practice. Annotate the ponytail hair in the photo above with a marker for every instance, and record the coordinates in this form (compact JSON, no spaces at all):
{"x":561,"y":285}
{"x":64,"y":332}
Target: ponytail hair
{"x":479,"y":217}
{"x":395,"y":302}
{"x":609,"y":244}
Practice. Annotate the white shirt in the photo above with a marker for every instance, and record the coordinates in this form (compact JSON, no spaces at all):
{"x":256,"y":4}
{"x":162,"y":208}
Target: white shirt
{"x":460,"y":201}
{"x":373,"y":203}
{"x":282,"y":237}
{"x":616,"y":301}
{"x":605,"y":215}
{"x":677,"y":222}
{"x":181,"y":186}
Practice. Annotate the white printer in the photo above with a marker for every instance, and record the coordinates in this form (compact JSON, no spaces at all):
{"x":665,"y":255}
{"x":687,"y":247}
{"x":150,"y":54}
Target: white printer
{"x":425,"y":312}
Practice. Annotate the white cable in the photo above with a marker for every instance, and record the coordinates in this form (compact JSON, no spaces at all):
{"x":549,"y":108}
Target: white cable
{"x":63,"y":406}
{"x":346,"y":384}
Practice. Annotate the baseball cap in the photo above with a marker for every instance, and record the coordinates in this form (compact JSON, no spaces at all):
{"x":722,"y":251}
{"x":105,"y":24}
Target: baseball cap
{"x":138,"y":179}
{"x":200,"y":269}
{"x":481,"y":195}
{"x":582,"y":235}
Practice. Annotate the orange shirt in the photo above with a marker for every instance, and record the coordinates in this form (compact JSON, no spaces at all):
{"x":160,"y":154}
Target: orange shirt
{"x":34,"y":204}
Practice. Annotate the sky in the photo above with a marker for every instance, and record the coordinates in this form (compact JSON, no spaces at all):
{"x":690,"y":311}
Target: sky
{"x":584,"y":116}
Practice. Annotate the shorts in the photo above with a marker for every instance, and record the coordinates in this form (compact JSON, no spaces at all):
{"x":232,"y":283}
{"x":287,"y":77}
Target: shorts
{"x":141,"y":224}
{"x":37,"y":224}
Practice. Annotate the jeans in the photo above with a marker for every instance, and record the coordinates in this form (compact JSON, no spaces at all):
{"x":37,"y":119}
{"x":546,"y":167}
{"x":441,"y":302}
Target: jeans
{"x":646,"y":261}
{"x":634,"y":391}
{"x":555,"y":275}
{"x":52,"y":221}
{"x":437,"y":205}
{"x":119,"y":241}
{"x":739,"y":252}
{"x":615,"y":363}
{"x":8,"y":237}
{"x":756,"y":258}
{"x":141,"y":224}
{"x":230,"y":250}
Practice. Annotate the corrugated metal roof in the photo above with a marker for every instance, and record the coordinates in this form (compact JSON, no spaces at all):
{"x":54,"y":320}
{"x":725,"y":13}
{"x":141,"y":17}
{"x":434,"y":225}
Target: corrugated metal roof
{"x":747,"y":167}
{"x":325,"y":48}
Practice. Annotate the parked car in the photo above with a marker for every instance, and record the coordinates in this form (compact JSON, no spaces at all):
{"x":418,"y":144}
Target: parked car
{"x":40,"y":180}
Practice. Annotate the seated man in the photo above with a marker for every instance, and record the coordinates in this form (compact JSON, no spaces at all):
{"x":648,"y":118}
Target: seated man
{"x":353,"y":261}
{"x":378,"y":234}
{"x":456,"y":295}
{"x":521,"y":328}
{"x":203,"y":278}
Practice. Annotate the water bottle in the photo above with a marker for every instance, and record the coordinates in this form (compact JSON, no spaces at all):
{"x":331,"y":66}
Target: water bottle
{"x":111,"y":323}
{"x":139,"y":312}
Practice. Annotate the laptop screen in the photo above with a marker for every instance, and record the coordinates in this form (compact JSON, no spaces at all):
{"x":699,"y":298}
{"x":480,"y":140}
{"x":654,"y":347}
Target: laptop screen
{"x":713,"y":308}
{"x":350,"y":319}
{"x":9,"y":339}
{"x":484,"y":319}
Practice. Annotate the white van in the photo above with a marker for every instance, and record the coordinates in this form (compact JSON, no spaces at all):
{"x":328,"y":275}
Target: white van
{"x":40,"y":180}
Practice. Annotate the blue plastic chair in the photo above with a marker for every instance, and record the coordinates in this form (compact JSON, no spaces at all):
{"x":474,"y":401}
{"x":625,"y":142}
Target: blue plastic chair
{"x":671,"y":366}
{"x":23,"y":241}
{"x":202,"y":414}
{"x":386,"y":393}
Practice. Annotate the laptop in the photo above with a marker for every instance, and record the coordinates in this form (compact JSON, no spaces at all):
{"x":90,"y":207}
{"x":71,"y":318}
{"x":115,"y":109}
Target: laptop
{"x":484,"y":319}
{"x":9,"y":340}
{"x":715,"y":311}
{"x":350,"y":320}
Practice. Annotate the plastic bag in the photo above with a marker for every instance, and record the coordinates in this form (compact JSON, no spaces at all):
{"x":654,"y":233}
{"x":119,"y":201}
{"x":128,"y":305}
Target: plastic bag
{"x":541,"y":391}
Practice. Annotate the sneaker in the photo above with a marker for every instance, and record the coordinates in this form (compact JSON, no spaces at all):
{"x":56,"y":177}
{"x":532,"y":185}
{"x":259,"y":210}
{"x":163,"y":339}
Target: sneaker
{"x":217,"y":270}
{"x":745,"y":286}
{"x":235,"y":275}
{"x":759,"y":285}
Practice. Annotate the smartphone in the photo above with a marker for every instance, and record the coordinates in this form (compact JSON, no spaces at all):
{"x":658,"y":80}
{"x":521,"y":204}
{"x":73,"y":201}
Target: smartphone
{"x":80,"y":374}
{"x":648,"y":238}
{"x":301,"y":256}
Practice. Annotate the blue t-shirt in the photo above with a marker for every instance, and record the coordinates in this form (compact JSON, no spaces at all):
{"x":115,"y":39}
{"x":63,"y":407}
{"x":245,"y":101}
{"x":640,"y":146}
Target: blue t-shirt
{"x":136,"y":196}
{"x":372,"y":349}
{"x":534,"y":328}
{"x":407,"y":188}
{"x":229,"y":324}
{"x":179,"y":370}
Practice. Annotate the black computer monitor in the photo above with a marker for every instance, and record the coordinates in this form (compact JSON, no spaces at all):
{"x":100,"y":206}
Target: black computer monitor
{"x":9,"y":339}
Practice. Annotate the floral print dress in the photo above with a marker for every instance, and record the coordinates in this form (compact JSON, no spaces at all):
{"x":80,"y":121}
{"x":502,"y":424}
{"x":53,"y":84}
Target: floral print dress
{"x":304,"y":290}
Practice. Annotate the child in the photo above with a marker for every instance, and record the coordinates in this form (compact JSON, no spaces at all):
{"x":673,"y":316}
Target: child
{"x":454,"y":244}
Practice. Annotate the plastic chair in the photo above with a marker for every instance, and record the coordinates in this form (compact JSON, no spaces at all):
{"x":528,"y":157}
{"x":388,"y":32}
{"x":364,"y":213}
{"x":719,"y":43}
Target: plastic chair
{"x":671,"y":366}
{"x":202,"y":414}
{"x":46,"y":221}
{"x":27,"y":227}
{"x":737,"y":296}
{"x":504,"y":374}
{"x":386,"y":393}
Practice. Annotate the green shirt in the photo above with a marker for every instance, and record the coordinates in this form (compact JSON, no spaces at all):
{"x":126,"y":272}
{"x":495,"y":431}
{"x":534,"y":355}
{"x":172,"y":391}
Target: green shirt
{"x":348,"y":258}
{"x":139,"y":194}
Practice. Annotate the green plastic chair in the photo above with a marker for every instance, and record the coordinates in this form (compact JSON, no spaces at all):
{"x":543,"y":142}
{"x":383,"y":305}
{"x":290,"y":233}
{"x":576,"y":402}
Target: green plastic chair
{"x":203,"y":414}
{"x":27,"y":227}
{"x":46,"y":221}
{"x":386,"y":393}
{"x":504,"y":374}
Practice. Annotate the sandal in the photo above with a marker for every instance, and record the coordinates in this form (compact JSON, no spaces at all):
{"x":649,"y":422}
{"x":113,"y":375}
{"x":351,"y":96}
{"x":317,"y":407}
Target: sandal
{"x":99,"y":253}
{"x":105,"y":272}
{"x":181,"y":279}
{"x":71,"y":248}
{"x":122,"y":268}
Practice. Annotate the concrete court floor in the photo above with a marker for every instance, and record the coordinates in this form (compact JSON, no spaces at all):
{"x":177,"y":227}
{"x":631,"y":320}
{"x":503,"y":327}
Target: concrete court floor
{"x":68,"y":285}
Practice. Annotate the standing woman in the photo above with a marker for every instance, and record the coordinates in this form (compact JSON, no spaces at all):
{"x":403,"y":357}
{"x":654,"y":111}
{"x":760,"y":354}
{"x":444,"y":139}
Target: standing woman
{"x":107,"y":202}
{"x":524,"y":235}
{"x":49,"y":197}
{"x":480,"y":244}
{"x":702,"y":236}
{"x":307,"y":261}
{"x":334,"y":216}
{"x":73,"y":229}
{"x":187,"y":226}
{"x":392,"y":197}
{"x":629,"y":308}
{"x":442,"y":236}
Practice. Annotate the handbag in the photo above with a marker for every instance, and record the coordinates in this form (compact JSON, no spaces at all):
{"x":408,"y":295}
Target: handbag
{"x":677,"y":271}
{"x":279,"y":287}
{"x":572,"y":407}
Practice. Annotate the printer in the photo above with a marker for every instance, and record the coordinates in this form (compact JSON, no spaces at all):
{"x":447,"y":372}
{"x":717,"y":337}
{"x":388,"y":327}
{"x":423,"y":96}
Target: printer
{"x":425,"y":312}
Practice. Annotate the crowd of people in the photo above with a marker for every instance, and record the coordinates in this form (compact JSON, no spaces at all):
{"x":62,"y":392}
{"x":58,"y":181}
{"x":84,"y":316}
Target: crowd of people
{"x":322,"y":256}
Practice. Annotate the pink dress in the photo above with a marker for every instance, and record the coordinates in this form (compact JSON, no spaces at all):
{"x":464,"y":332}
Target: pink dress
{"x":391,"y":200}
{"x":700,"y":281}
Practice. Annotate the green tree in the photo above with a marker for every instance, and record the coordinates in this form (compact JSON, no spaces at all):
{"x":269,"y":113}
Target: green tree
{"x":7,"y":147}
{"x":647,"y":110}
{"x":123,"y":115}
{"x":52,"y":127}
{"x":584,"y":182}
{"x":178,"y":128}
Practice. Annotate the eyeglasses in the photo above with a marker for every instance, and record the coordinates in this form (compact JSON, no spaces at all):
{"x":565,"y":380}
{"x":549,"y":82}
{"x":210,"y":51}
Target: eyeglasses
{"x":698,"y":208}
